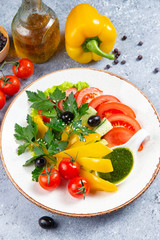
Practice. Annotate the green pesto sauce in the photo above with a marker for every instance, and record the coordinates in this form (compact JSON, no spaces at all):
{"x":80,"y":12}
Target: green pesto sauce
{"x":122,"y":161}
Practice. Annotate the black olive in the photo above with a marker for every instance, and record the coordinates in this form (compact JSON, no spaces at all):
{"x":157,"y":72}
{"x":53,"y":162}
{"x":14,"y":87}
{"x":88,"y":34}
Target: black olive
{"x":40,"y":162}
{"x":46,"y":222}
{"x":67,"y":117}
{"x":94,"y":121}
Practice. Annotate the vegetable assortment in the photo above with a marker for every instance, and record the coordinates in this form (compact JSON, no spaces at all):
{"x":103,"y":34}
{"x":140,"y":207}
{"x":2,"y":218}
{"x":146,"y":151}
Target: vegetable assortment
{"x":70,"y":132}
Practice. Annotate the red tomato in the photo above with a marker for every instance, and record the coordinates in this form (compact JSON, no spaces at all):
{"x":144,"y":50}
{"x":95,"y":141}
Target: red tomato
{"x":125,"y":121}
{"x":109,"y":108}
{"x":118,"y":136}
{"x":102,"y":99}
{"x":2,"y":99}
{"x":11,"y":84}
{"x":68,"y":168}
{"x":44,"y":118}
{"x":79,"y":187}
{"x":25,"y":68}
{"x":49,"y":179}
{"x":68,"y":91}
{"x":86,"y":95}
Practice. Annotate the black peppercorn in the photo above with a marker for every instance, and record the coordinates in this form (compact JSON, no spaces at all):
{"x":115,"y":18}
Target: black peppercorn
{"x":156,"y":70}
{"x":116,"y":61}
{"x":107,"y":66}
{"x":124,"y":38}
{"x":139,"y":57}
{"x":140,"y":43}
{"x":123,"y":62}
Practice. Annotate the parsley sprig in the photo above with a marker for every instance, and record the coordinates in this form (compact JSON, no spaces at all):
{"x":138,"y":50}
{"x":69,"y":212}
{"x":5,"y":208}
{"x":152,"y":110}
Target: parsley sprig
{"x":40,"y":147}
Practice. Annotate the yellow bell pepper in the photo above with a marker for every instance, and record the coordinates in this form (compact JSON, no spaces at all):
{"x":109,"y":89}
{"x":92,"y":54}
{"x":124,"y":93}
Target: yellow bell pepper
{"x":91,"y":137}
{"x":96,"y":164}
{"x":42,"y":128}
{"x":97,"y":183}
{"x":96,"y":150}
{"x":88,"y":35}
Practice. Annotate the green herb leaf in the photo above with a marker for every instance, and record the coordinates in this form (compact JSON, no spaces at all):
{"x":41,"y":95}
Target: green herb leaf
{"x":38,"y":151}
{"x":22,"y":148}
{"x":36,"y":172}
{"x":51,"y":114}
{"x":57,"y":95}
{"x":48,"y":137}
{"x":28,"y":133}
{"x":56,"y":124}
{"x":30,"y":161}
{"x":39,"y":100}
{"x":70,"y":104}
{"x":82,"y":110}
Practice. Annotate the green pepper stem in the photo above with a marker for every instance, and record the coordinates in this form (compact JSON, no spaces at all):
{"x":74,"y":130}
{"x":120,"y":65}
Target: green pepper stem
{"x":92,"y":46}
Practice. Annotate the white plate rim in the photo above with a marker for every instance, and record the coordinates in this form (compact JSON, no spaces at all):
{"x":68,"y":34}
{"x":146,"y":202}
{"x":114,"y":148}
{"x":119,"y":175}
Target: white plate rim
{"x":61,"y":212}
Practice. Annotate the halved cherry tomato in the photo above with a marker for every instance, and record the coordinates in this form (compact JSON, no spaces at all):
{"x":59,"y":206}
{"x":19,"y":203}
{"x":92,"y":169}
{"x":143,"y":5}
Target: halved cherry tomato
{"x":109,"y":108}
{"x":10,"y":84}
{"x":49,"y":179}
{"x":44,"y":118}
{"x":86,"y":95}
{"x":79,"y":187}
{"x":2,"y":99}
{"x":95,"y":103}
{"x":69,"y":168}
{"x":125,"y":121}
{"x":23,"y":68}
{"x":68,"y":91}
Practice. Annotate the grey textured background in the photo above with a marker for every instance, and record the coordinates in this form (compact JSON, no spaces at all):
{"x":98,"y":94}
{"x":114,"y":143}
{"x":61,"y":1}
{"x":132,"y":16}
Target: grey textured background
{"x":139,"y":20}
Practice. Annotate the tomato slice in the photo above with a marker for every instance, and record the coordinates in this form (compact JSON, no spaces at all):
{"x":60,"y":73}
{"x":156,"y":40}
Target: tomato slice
{"x":95,"y":103}
{"x":119,"y":135}
{"x":44,"y":118}
{"x":67,"y":91}
{"x":109,"y":108}
{"x":125,"y":121}
{"x":86,"y":95}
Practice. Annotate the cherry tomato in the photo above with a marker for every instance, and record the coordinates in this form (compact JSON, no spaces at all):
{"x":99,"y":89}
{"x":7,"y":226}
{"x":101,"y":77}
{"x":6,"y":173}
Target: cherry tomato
{"x":95,"y":103}
{"x":109,"y":108}
{"x":23,"y":68}
{"x":79,"y":187}
{"x":44,"y":118}
{"x":86,"y":95}
{"x":68,"y":91}
{"x":2,"y":99}
{"x":125,"y":121}
{"x":49,"y":179}
{"x":10,"y":84}
{"x":69,"y":168}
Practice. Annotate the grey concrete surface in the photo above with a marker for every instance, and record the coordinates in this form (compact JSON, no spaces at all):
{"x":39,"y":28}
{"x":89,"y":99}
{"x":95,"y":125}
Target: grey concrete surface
{"x":140,"y":21}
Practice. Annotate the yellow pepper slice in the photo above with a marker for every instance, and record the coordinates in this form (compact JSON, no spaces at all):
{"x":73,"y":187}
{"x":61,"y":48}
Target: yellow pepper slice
{"x":96,"y":164}
{"x":91,"y":137}
{"x":42,"y":128}
{"x":97,"y":183}
{"x":88,"y":34}
{"x":96,"y":150}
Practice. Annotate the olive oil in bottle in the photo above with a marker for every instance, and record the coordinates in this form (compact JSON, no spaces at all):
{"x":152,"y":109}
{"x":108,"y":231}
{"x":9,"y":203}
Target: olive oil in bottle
{"x":35,"y":31}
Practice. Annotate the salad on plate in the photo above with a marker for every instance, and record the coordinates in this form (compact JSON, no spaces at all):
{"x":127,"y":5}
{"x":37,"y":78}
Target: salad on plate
{"x":70,"y":133}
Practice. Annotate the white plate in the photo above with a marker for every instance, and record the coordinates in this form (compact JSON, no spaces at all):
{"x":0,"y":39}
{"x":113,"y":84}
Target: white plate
{"x":59,"y":201}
